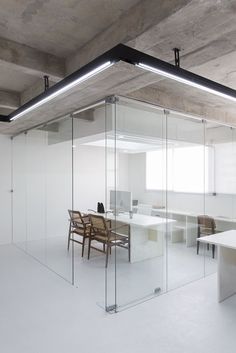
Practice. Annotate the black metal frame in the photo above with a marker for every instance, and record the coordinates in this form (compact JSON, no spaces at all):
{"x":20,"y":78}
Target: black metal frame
{"x":132,"y":56}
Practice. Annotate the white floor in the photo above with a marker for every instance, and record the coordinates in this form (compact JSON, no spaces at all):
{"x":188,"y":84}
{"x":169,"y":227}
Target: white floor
{"x":41,"y":313}
{"x":134,"y":282}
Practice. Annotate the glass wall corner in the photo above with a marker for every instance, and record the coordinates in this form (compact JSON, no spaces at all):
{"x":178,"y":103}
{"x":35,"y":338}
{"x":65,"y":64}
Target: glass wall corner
{"x":136,"y":264}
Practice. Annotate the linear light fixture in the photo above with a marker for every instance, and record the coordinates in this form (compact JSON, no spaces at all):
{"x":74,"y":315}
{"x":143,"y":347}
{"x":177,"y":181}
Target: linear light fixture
{"x":188,"y":82}
{"x":122,"y":53}
{"x":97,"y":104}
{"x":63,"y":89}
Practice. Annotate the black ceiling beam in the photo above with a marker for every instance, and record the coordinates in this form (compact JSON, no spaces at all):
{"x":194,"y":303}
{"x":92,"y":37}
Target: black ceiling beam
{"x":132,"y":56}
{"x":4,"y":118}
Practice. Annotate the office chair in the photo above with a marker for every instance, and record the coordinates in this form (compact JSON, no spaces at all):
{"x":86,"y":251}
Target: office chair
{"x":79,"y":225}
{"x":206,"y":226}
{"x":102,"y":232}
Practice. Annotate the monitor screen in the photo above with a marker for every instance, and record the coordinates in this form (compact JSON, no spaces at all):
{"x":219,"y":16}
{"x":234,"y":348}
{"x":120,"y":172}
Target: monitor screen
{"x":120,"y":200}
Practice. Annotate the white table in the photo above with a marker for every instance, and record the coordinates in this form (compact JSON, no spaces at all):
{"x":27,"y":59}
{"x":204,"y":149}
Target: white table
{"x":146,"y":234}
{"x":190,"y":226}
{"x":226,"y":261}
{"x":182,"y":231}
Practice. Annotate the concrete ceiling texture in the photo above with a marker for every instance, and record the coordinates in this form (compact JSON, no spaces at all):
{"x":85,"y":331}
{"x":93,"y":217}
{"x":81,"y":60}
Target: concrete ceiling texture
{"x":57,"y":37}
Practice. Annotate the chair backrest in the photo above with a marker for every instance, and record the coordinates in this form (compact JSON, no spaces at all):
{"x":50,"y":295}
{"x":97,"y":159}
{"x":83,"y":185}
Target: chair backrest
{"x":206,"y":223}
{"x":99,"y":225}
{"x":76,"y":218}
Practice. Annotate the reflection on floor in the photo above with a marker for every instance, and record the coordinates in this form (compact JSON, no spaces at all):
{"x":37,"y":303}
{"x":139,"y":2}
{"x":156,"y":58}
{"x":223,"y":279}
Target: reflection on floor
{"x":136,"y":281}
{"x":40,"y":313}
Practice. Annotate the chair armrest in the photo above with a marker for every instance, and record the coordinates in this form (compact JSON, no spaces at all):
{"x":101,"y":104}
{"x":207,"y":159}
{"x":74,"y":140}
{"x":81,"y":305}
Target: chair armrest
{"x":84,"y":215}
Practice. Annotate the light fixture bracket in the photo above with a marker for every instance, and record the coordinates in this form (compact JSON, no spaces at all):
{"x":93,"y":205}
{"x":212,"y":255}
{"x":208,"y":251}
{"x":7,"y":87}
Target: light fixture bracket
{"x":177,"y":58}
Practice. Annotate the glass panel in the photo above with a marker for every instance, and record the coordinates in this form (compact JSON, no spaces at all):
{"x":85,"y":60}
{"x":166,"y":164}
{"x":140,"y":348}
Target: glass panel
{"x":5,"y":190}
{"x":58,"y":195}
{"x":136,"y":143}
{"x":42,"y":184}
{"x":19,"y":204}
{"x":89,"y":160}
{"x":185,"y":197}
{"x":36,"y":194}
{"x":220,"y":196}
{"x":111,"y":182}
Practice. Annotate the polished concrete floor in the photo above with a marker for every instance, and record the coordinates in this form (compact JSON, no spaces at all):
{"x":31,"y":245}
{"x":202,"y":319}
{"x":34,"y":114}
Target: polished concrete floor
{"x":41,"y":313}
{"x":142,"y":279}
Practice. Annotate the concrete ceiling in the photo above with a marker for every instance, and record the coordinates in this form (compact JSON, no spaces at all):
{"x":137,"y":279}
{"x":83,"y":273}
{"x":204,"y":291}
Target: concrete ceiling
{"x":56,"y":37}
{"x":58,"y":27}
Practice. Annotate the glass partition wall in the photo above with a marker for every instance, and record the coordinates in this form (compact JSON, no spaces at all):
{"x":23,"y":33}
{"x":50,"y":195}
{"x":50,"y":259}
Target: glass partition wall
{"x":148,"y":179}
{"x":136,"y":267}
{"x":42,"y":194}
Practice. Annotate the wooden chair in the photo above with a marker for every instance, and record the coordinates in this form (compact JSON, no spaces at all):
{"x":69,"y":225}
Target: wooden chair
{"x":79,"y":225}
{"x":102,"y":232}
{"x":206,"y":226}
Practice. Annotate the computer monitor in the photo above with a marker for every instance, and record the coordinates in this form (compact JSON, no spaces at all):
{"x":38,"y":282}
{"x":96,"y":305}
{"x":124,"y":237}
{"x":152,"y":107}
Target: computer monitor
{"x":120,"y":200}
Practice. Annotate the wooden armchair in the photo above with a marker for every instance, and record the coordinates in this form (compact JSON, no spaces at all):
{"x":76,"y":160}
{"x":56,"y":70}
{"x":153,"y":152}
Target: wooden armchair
{"x":79,"y":225}
{"x":206,"y":226}
{"x":102,"y":232}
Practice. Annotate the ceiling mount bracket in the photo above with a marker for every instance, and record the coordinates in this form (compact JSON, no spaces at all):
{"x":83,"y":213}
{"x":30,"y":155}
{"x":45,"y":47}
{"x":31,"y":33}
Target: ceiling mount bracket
{"x":46,"y":82}
{"x":177,"y":58}
{"x":111,"y":99}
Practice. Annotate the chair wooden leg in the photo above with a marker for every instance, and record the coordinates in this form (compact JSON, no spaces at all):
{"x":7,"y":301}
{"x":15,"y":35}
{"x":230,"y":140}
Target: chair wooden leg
{"x":213,"y":251}
{"x":83,"y":245}
{"x":68,"y":244}
{"x":129,"y":251}
{"x":89,"y":247}
{"x":104,"y":247}
{"x":198,"y":244}
{"x":129,"y":243}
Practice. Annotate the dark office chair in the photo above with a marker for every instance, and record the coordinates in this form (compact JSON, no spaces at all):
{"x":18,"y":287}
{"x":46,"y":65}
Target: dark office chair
{"x":102,"y":232}
{"x":206,"y":226}
{"x":79,"y":226}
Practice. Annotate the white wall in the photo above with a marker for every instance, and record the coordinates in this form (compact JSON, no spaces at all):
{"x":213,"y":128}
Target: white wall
{"x":91,"y":180}
{"x":219,"y":205}
{"x":43,"y":183}
{"x":5,"y":188}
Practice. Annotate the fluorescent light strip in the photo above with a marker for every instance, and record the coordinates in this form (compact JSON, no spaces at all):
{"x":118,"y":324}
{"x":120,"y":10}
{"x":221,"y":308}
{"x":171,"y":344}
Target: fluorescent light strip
{"x":185,"y":81}
{"x":76,"y":82}
{"x":89,"y":107}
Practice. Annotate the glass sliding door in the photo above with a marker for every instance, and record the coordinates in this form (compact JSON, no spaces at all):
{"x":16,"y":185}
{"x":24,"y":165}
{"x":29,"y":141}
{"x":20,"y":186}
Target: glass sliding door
{"x":136,"y":176}
{"x":185,"y":198}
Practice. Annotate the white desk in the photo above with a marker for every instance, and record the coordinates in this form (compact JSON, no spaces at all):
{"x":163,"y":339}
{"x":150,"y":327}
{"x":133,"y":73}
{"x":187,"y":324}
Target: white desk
{"x":146,"y":234}
{"x":226,"y":261}
{"x":190,"y":226}
{"x":139,"y":219}
{"x":185,"y":230}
